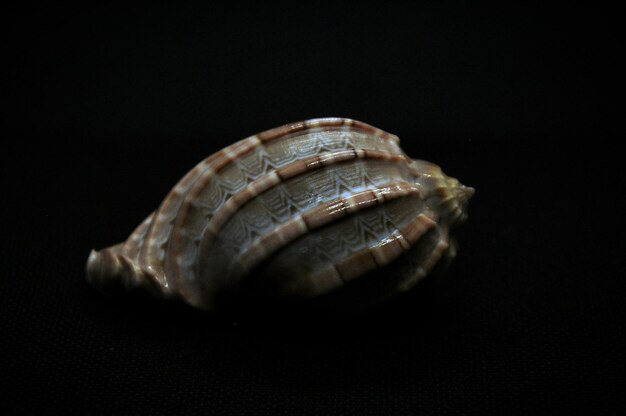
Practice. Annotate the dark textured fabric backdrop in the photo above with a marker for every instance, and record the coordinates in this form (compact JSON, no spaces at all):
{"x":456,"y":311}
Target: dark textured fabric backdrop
{"x":109,"y":107}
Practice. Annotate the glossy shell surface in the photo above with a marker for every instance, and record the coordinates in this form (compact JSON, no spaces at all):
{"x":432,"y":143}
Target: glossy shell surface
{"x":301,"y":210}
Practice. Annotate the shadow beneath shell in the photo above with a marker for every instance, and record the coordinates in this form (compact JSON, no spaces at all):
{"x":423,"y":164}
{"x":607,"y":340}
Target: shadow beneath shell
{"x":331,"y":320}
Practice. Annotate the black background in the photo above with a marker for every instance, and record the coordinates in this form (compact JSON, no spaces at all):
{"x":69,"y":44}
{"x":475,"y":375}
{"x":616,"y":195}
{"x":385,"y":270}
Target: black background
{"x":109,"y":107}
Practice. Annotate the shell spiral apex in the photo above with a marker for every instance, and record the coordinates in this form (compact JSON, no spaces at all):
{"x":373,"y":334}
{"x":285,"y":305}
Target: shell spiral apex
{"x":299,"y":212}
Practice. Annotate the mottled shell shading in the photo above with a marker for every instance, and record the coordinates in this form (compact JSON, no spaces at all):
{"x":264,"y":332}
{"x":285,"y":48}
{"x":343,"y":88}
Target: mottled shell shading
{"x":308,"y":208}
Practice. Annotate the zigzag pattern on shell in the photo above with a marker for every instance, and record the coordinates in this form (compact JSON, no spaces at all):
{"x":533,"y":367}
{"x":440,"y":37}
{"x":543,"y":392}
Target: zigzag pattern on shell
{"x":307,"y":208}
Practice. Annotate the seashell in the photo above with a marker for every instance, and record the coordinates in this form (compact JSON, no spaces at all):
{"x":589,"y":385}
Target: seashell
{"x":294,"y":213}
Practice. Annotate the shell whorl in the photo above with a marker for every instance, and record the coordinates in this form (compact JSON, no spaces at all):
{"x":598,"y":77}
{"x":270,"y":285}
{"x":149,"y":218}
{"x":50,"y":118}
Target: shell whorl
{"x":311,"y":205}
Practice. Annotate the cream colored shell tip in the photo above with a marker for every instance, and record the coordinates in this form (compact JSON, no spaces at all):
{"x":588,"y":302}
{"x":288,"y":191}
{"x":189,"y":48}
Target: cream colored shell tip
{"x":299,"y":212}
